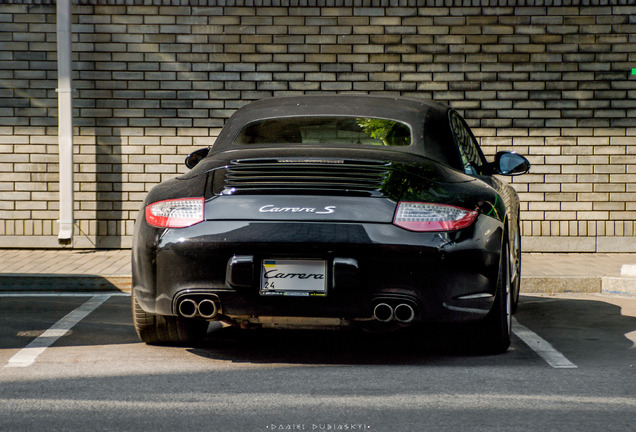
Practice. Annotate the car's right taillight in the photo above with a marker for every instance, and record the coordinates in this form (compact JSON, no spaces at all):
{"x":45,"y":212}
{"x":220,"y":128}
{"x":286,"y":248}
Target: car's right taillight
{"x":428,"y":217}
{"x":175,"y":213}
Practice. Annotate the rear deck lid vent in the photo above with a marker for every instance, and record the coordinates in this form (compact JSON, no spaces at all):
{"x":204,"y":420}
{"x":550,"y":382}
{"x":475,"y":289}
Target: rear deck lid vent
{"x":302,"y":175}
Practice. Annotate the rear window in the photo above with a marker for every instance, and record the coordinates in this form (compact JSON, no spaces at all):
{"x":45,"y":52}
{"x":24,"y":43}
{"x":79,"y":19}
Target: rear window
{"x":326,"y":130}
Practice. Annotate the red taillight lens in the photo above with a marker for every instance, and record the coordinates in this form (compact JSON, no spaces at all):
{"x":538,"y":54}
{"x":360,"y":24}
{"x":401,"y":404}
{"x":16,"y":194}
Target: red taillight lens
{"x":175,"y":213}
{"x":422,"y":217}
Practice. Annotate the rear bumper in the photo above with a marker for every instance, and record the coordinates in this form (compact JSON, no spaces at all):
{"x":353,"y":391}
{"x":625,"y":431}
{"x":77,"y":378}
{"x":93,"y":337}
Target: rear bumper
{"x":447,"y":277}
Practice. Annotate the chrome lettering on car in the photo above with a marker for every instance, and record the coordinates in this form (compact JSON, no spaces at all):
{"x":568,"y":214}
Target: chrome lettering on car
{"x":271,"y":274}
{"x":270,"y":208}
{"x":327,"y":210}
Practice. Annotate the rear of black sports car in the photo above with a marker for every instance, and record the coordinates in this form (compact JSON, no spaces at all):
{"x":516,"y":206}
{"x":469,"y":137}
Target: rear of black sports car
{"x":317,"y":236}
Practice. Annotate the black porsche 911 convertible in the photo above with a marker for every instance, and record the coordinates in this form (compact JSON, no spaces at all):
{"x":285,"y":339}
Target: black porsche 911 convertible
{"x":328,"y":212}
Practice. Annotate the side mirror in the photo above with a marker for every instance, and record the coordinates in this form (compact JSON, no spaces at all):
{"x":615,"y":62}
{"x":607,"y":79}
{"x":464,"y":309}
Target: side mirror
{"x":510,"y":164}
{"x":195,"y":157}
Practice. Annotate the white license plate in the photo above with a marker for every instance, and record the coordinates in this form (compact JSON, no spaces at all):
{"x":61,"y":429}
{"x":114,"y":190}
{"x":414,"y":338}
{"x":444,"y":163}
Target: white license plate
{"x":285,"y":277}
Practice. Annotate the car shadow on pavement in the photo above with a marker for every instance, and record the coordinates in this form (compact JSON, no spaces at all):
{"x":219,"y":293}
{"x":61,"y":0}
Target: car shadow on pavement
{"x":22,"y":319}
{"x":405,"y":346}
{"x":27,"y":283}
{"x":574,"y":326}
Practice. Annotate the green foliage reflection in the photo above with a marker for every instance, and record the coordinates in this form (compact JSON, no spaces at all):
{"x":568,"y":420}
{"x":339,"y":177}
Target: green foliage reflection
{"x":390,"y":133}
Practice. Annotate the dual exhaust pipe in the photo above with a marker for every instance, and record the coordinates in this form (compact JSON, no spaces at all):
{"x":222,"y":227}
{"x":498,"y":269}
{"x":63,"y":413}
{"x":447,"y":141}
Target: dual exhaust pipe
{"x":206,"y":308}
{"x":403,"y":313}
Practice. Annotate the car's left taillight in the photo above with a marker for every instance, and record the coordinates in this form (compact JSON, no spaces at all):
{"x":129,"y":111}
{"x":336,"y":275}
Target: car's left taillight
{"x":429,"y":217}
{"x":175,"y":213}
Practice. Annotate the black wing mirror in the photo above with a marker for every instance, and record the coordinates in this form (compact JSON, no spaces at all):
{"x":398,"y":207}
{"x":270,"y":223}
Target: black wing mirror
{"x":195,"y":157}
{"x":510,"y":164}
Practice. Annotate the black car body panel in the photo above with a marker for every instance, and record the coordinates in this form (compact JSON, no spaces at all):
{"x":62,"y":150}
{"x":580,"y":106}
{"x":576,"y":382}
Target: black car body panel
{"x":431,"y":269}
{"x":334,"y":205}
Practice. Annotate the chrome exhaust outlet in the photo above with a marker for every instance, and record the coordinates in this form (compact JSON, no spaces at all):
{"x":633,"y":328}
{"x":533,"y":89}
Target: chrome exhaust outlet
{"x":383,"y":312}
{"x":208,"y":309}
{"x":188,"y":308}
{"x":404,"y":313}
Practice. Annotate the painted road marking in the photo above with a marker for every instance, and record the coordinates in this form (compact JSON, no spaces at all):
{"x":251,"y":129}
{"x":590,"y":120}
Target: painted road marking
{"x":27,"y":356}
{"x":542,"y":347}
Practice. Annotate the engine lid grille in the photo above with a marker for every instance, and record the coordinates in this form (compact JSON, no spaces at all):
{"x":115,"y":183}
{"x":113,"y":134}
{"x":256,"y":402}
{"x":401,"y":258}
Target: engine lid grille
{"x":303,"y":175}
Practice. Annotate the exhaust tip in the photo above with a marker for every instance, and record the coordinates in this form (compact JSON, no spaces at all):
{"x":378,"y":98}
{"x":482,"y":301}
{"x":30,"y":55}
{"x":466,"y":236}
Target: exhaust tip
{"x":404,"y":313}
{"x":383,"y":312}
{"x":208,"y":309}
{"x":188,"y":308}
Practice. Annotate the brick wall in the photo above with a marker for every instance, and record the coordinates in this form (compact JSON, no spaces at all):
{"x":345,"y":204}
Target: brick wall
{"x":154,"y":82}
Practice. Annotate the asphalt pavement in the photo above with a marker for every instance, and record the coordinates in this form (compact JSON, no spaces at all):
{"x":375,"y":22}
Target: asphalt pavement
{"x":109,"y":270}
{"x":70,"y":360}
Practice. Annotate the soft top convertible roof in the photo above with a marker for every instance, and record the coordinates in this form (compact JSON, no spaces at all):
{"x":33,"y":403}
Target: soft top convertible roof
{"x":428,"y":120}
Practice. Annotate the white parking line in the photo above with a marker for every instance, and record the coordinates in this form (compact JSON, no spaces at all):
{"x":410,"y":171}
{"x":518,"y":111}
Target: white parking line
{"x":542,"y":347}
{"x":27,"y":356}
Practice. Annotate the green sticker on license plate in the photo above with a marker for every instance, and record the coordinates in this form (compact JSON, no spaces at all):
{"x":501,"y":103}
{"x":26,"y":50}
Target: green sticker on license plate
{"x":301,"y":278}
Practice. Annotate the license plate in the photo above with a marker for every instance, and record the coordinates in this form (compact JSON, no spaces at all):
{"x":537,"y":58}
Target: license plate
{"x":301,"y":278}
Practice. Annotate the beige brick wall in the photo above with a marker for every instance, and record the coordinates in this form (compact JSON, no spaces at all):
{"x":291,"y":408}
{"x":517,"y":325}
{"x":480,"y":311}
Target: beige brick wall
{"x":154,"y":82}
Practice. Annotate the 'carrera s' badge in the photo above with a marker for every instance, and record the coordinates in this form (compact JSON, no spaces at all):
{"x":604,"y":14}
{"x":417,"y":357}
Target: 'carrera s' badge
{"x":270,"y":208}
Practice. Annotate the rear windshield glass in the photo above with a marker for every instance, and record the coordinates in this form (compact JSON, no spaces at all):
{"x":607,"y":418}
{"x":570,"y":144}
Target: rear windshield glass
{"x":326,"y":130}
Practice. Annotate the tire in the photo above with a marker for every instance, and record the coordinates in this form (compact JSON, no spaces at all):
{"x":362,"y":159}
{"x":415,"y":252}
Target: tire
{"x":515,"y":277}
{"x":497,"y":324}
{"x":166,"y":330}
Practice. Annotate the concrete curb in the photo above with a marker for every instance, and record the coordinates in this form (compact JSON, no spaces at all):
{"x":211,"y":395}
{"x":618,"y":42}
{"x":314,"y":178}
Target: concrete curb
{"x":619,"y":285}
{"x":561,"y":284}
{"x":63,"y":283}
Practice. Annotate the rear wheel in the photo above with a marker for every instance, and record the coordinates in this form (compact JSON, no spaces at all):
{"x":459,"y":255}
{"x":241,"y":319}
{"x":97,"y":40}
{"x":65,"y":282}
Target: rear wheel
{"x":497,"y":325}
{"x":166,"y":330}
{"x":515,"y":269}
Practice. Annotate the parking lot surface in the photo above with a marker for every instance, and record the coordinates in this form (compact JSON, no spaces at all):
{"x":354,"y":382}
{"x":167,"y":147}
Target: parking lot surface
{"x":72,"y":361}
